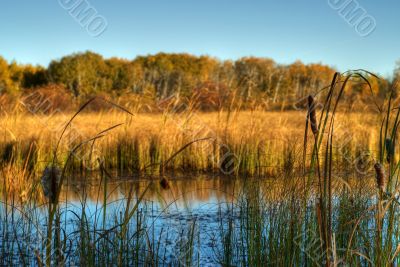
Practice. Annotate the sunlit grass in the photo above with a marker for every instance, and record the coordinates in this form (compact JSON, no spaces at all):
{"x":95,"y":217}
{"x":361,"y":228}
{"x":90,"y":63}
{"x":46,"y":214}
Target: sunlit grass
{"x":260,"y":142}
{"x":304,"y":188}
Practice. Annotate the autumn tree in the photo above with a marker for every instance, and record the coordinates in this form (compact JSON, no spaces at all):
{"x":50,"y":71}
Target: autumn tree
{"x":176,"y":73}
{"x":254,"y":75}
{"x":5,"y":79}
{"x":156,"y":77}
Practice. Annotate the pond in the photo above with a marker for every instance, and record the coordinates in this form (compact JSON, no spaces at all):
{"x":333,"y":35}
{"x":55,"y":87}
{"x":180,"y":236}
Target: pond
{"x":192,"y":220}
{"x":191,"y":209}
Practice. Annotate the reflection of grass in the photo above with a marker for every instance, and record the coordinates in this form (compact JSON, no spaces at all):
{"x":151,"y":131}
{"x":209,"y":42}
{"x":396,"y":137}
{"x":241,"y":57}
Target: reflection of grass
{"x":319,"y":207}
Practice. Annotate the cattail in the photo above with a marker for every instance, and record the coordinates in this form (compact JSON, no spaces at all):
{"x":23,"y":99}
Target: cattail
{"x":164,"y":183}
{"x":312,"y":114}
{"x":380,"y":176}
{"x":50,"y":180}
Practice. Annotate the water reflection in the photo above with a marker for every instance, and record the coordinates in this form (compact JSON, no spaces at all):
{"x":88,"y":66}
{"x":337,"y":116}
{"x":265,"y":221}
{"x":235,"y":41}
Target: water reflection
{"x":183,"y":191}
{"x":190,"y":191}
{"x":201,"y":206}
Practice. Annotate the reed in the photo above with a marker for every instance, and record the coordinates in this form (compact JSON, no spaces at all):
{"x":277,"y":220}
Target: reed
{"x":321,"y":205}
{"x":257,"y":144}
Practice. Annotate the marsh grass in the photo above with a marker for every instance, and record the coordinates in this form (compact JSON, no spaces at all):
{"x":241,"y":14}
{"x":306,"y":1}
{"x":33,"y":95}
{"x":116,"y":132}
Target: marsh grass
{"x":319,"y":208}
{"x":56,"y":241}
{"x":259,"y":140}
{"x":314,"y":227}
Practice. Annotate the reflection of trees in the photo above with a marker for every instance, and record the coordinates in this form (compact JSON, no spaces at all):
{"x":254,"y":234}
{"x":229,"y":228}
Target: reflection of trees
{"x":201,"y":189}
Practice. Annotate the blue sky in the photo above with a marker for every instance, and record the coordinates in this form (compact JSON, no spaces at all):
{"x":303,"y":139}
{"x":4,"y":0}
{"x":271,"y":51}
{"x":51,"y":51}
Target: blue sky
{"x":37,"y":31}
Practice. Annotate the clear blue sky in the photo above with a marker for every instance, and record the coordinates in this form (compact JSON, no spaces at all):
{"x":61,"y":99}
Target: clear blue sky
{"x":309,"y":30}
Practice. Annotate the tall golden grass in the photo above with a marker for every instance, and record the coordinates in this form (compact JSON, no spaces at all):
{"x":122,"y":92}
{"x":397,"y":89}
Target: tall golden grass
{"x":259,"y":143}
{"x":243,"y":143}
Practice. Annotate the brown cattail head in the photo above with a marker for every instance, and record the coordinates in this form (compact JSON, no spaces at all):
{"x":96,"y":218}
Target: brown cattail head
{"x":164,"y":183}
{"x":50,"y":180}
{"x":380,"y":176}
{"x":312,"y":114}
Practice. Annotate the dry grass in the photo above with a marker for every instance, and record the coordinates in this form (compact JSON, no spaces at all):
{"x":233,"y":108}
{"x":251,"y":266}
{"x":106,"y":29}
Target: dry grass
{"x":350,"y":214}
{"x":259,"y":140}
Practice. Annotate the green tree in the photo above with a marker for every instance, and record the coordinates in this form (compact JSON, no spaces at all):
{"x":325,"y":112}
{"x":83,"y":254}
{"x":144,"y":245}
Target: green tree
{"x":176,"y":73}
{"x":125,"y":75}
{"x":83,"y":74}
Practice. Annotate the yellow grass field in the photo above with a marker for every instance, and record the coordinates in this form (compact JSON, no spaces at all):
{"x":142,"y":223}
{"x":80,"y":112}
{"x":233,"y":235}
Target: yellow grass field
{"x":258,"y":139}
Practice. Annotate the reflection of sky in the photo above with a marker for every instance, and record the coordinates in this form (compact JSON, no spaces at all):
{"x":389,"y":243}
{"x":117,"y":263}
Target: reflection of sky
{"x":165,"y":222}
{"x":168,"y":215}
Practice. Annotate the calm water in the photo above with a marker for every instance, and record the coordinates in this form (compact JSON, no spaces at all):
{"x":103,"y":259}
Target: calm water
{"x":191,"y":206}
{"x":199,"y":203}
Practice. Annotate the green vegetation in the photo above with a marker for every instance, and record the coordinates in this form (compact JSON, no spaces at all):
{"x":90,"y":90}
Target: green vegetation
{"x":321,"y":206}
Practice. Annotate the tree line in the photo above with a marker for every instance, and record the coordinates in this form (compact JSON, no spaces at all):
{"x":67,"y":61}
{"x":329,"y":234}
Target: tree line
{"x":212,"y":82}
